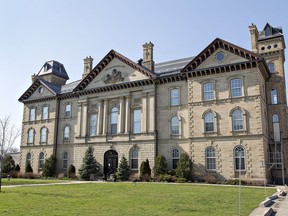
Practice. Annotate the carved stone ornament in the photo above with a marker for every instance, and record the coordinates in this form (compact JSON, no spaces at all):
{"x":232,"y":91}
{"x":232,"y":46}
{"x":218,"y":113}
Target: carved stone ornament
{"x":114,"y":77}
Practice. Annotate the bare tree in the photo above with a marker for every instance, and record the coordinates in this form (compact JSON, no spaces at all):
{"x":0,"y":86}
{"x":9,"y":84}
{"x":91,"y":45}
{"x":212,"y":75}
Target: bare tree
{"x":8,"y":135}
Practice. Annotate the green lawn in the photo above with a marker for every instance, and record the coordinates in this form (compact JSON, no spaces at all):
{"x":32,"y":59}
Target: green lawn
{"x":129,"y":199}
{"x":20,"y":181}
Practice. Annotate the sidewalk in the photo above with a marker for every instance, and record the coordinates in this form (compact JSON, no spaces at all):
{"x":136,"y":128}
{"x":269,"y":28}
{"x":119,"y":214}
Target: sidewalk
{"x":275,"y":205}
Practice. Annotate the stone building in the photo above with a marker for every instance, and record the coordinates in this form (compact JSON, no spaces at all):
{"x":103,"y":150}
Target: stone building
{"x":225,"y":107}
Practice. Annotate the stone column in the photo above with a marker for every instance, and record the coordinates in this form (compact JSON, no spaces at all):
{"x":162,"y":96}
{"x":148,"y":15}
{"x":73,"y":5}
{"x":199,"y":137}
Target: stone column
{"x":99,"y":118}
{"x":79,"y":120}
{"x":121,"y":115}
{"x":152,"y":113}
{"x":127,"y":112}
{"x":105,"y":116}
{"x":144,"y":114}
{"x":84,"y":119}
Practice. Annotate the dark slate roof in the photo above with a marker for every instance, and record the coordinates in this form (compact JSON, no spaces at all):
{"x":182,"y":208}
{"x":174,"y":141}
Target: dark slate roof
{"x":56,"y":88}
{"x":171,"y":67}
{"x":53,"y":67}
{"x":69,"y":87}
{"x":270,"y":32}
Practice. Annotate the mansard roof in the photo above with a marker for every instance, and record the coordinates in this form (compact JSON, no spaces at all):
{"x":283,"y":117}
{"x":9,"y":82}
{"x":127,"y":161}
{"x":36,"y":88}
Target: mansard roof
{"x":270,"y":32}
{"x":105,"y":61}
{"x":212,"y":47}
{"x":53,"y":67}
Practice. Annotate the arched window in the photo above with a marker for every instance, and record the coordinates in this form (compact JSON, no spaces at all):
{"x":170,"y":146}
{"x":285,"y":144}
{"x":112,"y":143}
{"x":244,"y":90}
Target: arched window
{"x":274,"y":99}
{"x":43,"y":135}
{"x":137,"y":121}
{"x":175,"y":158}
{"x":239,"y":157}
{"x":271,"y":67}
{"x":28,"y":158}
{"x":93,"y":124}
{"x":276,"y":128}
{"x":30,"y":139}
{"x":65,"y":161}
{"x":134,"y":159}
{"x":174,"y":97}
{"x":175,"y":125}
{"x":210,"y":158}
{"x":45,"y":112}
{"x":209,"y":122}
{"x":114,"y":120}
{"x":67,"y":133}
{"x":68,"y":110}
{"x":236,"y":87}
{"x":41,"y":161}
{"x":208,"y":90}
{"x":237,"y":120}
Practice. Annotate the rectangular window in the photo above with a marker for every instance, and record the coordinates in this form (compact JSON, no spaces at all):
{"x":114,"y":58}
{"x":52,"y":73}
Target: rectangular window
{"x":239,"y":162}
{"x":45,"y":113}
{"x":208,"y":89}
{"x":32,"y":114}
{"x":174,"y":163}
{"x":174,"y":97}
{"x":68,"y":111}
{"x":236,"y":87}
{"x":137,"y":121}
{"x":93,"y":125}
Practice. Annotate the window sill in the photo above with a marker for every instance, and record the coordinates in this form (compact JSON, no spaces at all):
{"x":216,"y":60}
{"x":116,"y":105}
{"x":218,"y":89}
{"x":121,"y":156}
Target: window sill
{"x":210,"y":132}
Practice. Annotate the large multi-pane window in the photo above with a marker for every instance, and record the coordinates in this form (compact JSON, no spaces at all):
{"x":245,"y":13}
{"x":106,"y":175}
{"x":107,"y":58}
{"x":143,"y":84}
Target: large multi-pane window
{"x":237,"y":120}
{"x":65,"y":161}
{"x":137,"y":121}
{"x":93,"y":125}
{"x":67,"y":133}
{"x":30,"y":139}
{"x":208,"y":90}
{"x":175,"y":125}
{"x":174,"y":96}
{"x":209,"y":122}
{"x":43,"y":135}
{"x":210,"y":158}
{"x":41,"y":161}
{"x":32,"y":114}
{"x":134,"y":159}
{"x":239,"y":157}
{"x":28,"y":158}
{"x":276,"y":128}
{"x":175,"y":158}
{"x":274,"y":99}
{"x":236,"y":87}
{"x":45,"y":113}
{"x":114,"y":120}
{"x":271,"y":67}
{"x":68,"y":110}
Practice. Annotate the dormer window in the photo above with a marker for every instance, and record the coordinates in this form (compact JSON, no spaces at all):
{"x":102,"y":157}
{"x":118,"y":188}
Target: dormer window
{"x":47,"y":67}
{"x":268,"y":31}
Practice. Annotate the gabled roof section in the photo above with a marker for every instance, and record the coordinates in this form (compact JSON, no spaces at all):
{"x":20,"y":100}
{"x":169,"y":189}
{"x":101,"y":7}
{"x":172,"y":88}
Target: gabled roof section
{"x":53,"y":88}
{"x":212,"y":47}
{"x":53,"y":67}
{"x":105,"y":61}
{"x":270,"y":32}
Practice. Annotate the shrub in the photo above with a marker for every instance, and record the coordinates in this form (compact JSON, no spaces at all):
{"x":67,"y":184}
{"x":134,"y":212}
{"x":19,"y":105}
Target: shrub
{"x":13,"y":174}
{"x":123,"y":170}
{"x":167,"y":178}
{"x":160,"y":166}
{"x":181,"y":180}
{"x":184,"y":167}
{"x":49,"y":166}
{"x":17,"y":168}
{"x":145,"y":170}
{"x":8,"y":164}
{"x":28,"y":168}
{"x":235,"y":182}
{"x":210,"y":179}
{"x":71,"y":171}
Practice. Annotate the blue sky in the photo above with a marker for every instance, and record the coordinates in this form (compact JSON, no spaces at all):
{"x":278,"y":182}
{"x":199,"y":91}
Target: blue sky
{"x":33,"y":32}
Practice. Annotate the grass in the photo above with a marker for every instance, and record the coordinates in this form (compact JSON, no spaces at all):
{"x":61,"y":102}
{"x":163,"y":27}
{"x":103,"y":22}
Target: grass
{"x":20,"y":181}
{"x":129,"y":199}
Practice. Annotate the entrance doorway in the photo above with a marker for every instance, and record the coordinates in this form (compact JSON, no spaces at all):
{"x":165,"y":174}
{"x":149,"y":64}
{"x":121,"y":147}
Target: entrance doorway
{"x":110,"y":163}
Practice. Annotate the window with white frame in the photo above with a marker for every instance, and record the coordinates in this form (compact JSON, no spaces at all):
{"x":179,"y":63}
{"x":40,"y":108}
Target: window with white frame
{"x":236,"y":87}
{"x":137,"y":121}
{"x":271,"y":67}
{"x":274,"y":99}
{"x":31,"y":133}
{"x":209,"y":122}
{"x":174,"y":97}
{"x":67,"y":133}
{"x":45,"y":112}
{"x":134,"y":159}
{"x":43,"y":135}
{"x":239,"y":157}
{"x":208,"y":91}
{"x":41,"y":161}
{"x":210,"y":159}
{"x":65,"y":161}
{"x":32,"y":114}
{"x":68,"y":110}
{"x":237,"y":120}
{"x":93,"y":124}
{"x":114,"y":120}
{"x":175,"y":125}
{"x":175,"y":158}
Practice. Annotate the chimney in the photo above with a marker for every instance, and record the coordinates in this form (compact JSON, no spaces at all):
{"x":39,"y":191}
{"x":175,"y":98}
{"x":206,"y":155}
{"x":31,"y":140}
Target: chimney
{"x":254,"y":37}
{"x":88,"y":63}
{"x":148,"y":56}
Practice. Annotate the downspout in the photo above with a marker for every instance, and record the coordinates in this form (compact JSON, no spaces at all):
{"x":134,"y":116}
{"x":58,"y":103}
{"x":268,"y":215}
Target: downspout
{"x":155,"y":120}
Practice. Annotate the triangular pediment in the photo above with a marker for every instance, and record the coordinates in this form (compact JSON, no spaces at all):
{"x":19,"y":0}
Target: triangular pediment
{"x":114,"y":69}
{"x":40,"y":89}
{"x":220,"y":53}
